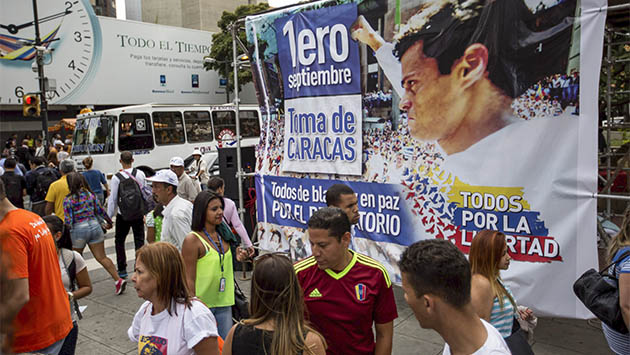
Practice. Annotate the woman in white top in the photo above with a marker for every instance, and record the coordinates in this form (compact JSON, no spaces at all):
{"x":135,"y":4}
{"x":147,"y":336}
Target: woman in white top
{"x":74,"y":275}
{"x":171,"y":321}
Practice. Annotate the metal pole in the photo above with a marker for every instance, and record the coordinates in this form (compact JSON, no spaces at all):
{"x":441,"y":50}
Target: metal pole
{"x":227,"y":73}
{"x":611,"y":197}
{"x":40,"y":77}
{"x":239,"y":170}
{"x":608,"y":114}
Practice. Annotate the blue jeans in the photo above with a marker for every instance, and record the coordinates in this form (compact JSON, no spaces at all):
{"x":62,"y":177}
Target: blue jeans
{"x":101,"y":197}
{"x":86,"y":232}
{"x":223,"y":315}
{"x":53,"y":349}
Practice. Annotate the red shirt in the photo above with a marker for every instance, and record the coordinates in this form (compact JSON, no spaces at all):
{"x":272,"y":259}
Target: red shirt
{"x":32,"y":254}
{"x":343,"y":306}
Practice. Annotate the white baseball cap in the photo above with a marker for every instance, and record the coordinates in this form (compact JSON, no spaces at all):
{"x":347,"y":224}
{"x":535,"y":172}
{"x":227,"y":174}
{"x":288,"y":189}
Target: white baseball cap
{"x":57,"y":142}
{"x":196,"y":151}
{"x":166,"y":176}
{"x":177,"y":161}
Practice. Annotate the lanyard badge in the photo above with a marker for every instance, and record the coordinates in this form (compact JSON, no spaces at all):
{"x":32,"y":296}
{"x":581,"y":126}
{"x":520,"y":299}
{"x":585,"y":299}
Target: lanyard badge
{"x":219,"y":249}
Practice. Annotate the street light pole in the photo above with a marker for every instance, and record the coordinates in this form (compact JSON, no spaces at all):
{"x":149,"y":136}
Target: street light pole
{"x":227,"y":73}
{"x":40,"y":76}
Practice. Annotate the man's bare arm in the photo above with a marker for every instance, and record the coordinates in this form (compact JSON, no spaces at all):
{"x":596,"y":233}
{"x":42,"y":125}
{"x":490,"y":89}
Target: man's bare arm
{"x":384,"y":338}
{"x":14,"y":300}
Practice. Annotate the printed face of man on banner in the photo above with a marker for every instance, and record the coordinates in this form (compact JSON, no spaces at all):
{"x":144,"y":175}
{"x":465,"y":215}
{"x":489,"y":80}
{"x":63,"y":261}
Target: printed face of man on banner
{"x":462,"y":64}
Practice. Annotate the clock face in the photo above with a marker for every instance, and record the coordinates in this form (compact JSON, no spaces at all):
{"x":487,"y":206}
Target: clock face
{"x":68,"y":27}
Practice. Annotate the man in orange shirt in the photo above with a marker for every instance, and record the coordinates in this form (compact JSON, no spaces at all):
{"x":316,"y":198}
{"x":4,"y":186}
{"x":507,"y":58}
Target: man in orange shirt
{"x":39,"y":302}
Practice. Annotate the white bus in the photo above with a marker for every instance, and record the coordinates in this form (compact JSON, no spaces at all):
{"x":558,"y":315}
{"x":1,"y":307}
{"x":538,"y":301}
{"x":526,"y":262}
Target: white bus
{"x":155,"y":133}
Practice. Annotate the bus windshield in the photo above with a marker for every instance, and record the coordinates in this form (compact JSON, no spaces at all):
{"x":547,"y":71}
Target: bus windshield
{"x":94,"y":135}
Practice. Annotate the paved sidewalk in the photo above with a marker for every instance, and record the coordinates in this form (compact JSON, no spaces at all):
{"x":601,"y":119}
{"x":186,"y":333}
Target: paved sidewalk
{"x":103,"y":330}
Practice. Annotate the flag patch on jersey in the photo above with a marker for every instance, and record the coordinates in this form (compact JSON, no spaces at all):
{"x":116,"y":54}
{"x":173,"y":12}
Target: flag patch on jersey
{"x":315,"y":293}
{"x":361,"y":291}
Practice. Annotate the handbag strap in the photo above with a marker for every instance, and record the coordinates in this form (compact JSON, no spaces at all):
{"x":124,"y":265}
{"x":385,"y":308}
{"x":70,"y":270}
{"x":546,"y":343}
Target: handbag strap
{"x":237,"y":289}
{"x":605,"y":270}
{"x":72,"y":283}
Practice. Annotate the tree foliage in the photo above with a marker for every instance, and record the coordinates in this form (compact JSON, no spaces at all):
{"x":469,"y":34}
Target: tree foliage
{"x":222,"y":45}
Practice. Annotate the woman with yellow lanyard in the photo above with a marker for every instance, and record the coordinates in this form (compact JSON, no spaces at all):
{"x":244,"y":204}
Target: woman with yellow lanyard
{"x":207,"y":253}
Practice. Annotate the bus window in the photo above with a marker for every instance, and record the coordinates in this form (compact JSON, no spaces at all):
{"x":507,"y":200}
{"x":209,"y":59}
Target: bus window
{"x":93,"y":135}
{"x":198,"y":126}
{"x":134,"y":132}
{"x":168,"y":127}
{"x":224,"y":123}
{"x":250,"y":126}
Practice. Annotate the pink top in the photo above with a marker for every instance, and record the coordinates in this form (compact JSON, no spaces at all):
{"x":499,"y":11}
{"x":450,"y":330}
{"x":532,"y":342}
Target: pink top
{"x":231,"y":215}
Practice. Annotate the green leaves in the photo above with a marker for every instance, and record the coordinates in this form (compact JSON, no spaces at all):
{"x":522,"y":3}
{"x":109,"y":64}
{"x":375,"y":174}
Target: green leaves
{"x":222,"y":45}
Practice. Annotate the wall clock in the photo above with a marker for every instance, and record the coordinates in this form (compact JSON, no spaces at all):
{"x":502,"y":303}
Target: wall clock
{"x":69,"y":27}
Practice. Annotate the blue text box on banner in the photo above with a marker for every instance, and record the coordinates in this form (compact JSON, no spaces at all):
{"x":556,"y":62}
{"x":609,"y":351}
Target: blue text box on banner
{"x":384,"y":214}
{"x":316,"y":54}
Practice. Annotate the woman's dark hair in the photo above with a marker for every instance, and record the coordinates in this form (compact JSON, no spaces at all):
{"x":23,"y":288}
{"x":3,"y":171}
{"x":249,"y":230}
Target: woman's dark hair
{"x":200,"y":206}
{"x":276,"y":295}
{"x":165,"y":264}
{"x":56,"y":225}
{"x":77,"y":182}
{"x":87,"y":163}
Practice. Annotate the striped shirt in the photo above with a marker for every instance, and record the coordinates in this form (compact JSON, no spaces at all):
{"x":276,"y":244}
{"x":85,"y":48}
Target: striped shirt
{"x":82,"y":208}
{"x":502,"y":318}
{"x":619,"y":343}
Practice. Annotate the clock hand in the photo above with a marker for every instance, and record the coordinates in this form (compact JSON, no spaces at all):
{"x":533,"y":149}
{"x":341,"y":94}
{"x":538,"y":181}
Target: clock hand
{"x":13,"y":29}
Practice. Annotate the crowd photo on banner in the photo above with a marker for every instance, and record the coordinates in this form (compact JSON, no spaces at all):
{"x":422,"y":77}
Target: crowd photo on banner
{"x":444,"y":146}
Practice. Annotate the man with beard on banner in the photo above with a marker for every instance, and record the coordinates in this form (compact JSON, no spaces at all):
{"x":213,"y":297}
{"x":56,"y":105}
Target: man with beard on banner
{"x":346,"y":293}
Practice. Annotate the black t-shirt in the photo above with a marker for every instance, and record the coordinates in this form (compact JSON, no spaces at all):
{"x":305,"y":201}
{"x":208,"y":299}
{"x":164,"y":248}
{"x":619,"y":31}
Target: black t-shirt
{"x":14,"y":185}
{"x":248,"y":340}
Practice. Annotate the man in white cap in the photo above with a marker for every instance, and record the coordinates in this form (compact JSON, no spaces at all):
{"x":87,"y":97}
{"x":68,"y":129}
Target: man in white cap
{"x":177,"y":211}
{"x":61,"y":153}
{"x":187,"y":188}
{"x":199,"y":169}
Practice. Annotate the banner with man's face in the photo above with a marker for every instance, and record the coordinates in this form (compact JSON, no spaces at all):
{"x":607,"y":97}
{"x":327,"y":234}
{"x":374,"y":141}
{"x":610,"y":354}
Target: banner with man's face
{"x":446,"y":118}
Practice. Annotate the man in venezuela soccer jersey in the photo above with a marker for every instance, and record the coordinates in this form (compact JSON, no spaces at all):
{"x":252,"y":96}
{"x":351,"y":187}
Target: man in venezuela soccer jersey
{"x":345,"y":292}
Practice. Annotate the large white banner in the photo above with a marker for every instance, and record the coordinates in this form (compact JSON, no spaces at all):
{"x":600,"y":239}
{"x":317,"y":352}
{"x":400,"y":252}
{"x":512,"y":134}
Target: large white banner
{"x":475,"y":115}
{"x":104,"y":61}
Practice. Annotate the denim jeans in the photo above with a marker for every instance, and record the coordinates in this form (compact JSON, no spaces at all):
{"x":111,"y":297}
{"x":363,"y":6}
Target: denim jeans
{"x":100,"y":196}
{"x":86,"y":232}
{"x":223,"y":315}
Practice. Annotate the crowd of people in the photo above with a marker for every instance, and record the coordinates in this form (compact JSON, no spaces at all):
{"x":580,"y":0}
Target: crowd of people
{"x":185,"y":272}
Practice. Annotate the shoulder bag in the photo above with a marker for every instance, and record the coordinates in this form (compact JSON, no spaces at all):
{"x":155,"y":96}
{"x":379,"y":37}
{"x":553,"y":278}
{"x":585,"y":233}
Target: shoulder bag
{"x":240,"y":309}
{"x":600,"y":297}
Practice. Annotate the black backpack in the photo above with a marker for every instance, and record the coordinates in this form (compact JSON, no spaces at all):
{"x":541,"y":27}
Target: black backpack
{"x":13,"y":187}
{"x":131,"y":204}
{"x":44,"y":178}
